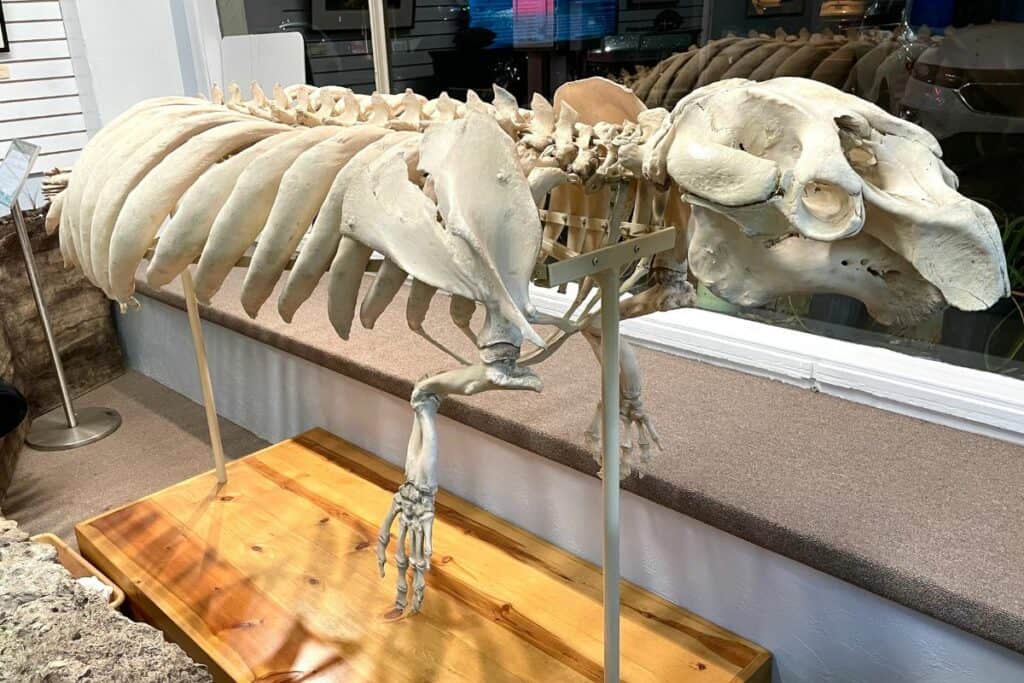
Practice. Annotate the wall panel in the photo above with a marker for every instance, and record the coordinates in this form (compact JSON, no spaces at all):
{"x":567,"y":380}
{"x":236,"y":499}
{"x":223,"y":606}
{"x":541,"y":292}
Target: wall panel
{"x":31,"y":11}
{"x":39,"y":101}
{"x":42,"y":108}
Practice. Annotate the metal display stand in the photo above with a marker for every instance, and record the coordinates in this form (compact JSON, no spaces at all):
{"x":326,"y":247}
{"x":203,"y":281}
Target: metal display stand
{"x":604,"y":265}
{"x":75,"y":428}
{"x":379,"y":47}
{"x":53,"y":432}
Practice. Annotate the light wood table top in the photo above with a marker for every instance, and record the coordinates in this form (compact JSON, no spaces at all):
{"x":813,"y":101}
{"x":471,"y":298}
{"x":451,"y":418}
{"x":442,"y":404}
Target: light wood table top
{"x":273,"y":577}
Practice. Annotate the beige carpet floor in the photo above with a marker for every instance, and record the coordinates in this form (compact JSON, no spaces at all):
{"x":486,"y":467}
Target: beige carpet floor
{"x":162,"y":440}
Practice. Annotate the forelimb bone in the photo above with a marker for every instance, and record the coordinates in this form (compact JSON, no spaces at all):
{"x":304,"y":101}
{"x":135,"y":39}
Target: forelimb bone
{"x":413,"y":503}
{"x":670,"y":290}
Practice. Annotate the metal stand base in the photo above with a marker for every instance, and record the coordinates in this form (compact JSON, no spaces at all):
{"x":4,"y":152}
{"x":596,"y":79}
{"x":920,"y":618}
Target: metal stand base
{"x":50,"y":432}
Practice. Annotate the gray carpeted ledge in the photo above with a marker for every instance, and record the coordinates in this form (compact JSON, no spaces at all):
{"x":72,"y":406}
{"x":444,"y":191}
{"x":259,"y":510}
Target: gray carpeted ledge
{"x":922,"y":514}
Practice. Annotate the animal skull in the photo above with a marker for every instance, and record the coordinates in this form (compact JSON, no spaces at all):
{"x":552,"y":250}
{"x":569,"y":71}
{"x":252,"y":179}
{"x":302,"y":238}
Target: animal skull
{"x":823,"y":192}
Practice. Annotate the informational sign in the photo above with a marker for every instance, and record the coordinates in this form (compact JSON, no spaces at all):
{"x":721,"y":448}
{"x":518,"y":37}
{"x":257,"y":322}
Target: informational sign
{"x":21,"y":157}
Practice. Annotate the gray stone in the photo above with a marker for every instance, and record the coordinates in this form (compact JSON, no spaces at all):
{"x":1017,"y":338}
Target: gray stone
{"x":54,"y":630}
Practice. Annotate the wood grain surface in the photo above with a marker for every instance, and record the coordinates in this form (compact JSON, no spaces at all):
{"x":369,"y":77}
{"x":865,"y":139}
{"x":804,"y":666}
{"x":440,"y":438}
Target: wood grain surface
{"x":273,"y":577}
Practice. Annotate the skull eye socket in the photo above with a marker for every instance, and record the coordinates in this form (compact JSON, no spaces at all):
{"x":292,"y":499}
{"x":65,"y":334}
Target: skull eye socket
{"x":826,"y":201}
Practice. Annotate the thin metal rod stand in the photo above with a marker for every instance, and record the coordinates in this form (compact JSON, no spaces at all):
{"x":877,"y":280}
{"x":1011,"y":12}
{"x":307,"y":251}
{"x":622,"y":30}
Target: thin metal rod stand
{"x":379,"y":47}
{"x":604,"y":265}
{"x":50,"y":432}
{"x":609,"y":282}
{"x":195,"y":324}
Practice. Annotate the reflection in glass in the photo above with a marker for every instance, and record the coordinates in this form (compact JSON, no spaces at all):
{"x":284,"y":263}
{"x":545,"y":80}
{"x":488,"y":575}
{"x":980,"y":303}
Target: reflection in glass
{"x":954,"y":67}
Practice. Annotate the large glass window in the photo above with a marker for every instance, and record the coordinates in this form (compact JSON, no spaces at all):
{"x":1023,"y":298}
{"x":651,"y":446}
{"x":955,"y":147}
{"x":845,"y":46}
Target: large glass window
{"x":955,"y":67}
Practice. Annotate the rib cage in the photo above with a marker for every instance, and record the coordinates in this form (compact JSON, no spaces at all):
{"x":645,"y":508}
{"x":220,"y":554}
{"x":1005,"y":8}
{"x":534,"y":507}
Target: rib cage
{"x":447,"y":192}
{"x":230,"y":171}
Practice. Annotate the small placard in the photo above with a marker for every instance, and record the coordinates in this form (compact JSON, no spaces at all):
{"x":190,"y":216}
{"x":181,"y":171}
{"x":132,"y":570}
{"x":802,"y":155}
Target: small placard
{"x":16,"y":166}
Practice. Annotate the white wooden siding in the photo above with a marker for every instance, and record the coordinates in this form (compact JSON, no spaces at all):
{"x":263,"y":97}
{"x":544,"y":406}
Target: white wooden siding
{"x":31,"y":11}
{"x":40,"y":101}
{"x":37,"y":109}
{"x":12,"y":91}
{"x":36,"y":30}
{"x":43,"y":68}
{"x":51,"y":144}
{"x":51,"y":125}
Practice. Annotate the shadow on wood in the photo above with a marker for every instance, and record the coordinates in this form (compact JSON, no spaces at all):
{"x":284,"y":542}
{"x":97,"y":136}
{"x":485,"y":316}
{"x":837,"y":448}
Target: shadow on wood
{"x":273,"y":577}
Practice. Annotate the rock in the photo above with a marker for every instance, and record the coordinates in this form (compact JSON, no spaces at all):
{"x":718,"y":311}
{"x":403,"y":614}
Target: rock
{"x":55,"y":630}
{"x":10,"y":444}
{"x":10,"y":533}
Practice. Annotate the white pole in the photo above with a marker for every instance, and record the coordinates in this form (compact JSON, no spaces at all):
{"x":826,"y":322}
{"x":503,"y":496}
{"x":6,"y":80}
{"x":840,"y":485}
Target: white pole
{"x":379,"y":46}
{"x":609,"y":282}
{"x":192,"y":305}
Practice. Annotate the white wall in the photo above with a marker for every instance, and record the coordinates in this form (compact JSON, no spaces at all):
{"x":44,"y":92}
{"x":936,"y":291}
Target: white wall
{"x":39,"y":101}
{"x":76,"y":64}
{"x":130,"y":49}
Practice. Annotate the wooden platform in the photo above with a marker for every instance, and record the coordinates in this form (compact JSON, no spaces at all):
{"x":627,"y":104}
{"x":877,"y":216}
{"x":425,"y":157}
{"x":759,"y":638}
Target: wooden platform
{"x":273,"y":577}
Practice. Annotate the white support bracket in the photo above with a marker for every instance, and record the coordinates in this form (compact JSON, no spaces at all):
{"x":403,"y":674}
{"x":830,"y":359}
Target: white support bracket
{"x":605,"y":264}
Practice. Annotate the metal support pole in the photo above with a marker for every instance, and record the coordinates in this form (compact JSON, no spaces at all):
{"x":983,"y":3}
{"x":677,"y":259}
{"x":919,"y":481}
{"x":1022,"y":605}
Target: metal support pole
{"x":604,"y":265}
{"x":195,"y":324}
{"x":379,"y":47}
{"x":609,"y":281}
{"x":49,"y":432}
{"x":37,"y":294}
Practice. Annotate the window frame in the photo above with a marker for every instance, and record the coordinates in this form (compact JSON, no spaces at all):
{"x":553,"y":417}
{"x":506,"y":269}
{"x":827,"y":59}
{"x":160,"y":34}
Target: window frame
{"x":963,"y":398}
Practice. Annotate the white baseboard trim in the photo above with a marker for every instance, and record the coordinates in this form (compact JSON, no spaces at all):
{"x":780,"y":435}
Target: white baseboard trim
{"x":962,"y":398}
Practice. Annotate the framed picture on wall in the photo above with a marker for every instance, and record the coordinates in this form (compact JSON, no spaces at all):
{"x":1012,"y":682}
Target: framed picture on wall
{"x":5,"y":46}
{"x":774,"y":8}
